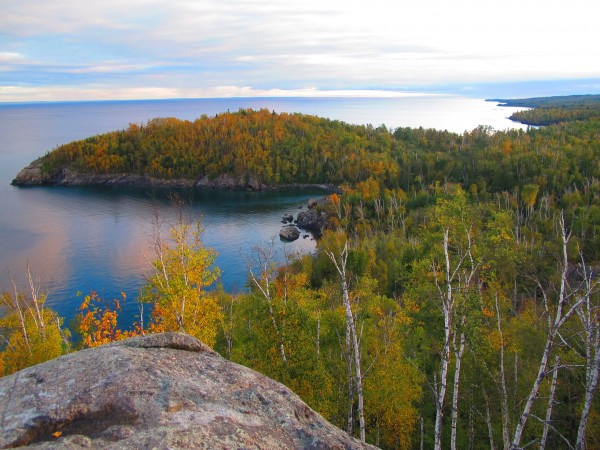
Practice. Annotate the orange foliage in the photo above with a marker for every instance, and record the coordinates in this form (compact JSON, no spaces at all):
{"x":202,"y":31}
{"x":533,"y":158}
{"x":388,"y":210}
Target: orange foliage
{"x":98,"y":324}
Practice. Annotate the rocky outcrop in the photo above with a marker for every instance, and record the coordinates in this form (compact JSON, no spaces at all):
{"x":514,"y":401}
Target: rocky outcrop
{"x":158,"y":391}
{"x":314,"y":202}
{"x":30,"y":175}
{"x":289,"y":233}
{"x":312,"y":220}
{"x":229,"y":182}
{"x":33,"y":175}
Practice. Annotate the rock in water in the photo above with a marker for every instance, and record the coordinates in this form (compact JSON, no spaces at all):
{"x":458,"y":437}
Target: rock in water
{"x":311,"y":220}
{"x":289,"y":233}
{"x":158,"y":391}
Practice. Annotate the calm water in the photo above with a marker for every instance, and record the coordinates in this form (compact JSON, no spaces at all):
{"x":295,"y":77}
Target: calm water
{"x":82,"y":239}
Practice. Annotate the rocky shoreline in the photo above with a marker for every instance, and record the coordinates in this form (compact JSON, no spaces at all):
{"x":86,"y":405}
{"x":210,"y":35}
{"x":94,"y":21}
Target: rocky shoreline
{"x":32,"y":175}
{"x":312,"y":220}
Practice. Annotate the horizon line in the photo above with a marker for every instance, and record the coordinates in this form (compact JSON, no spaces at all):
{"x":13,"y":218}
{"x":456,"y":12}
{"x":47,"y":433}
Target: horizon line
{"x":37,"y":95}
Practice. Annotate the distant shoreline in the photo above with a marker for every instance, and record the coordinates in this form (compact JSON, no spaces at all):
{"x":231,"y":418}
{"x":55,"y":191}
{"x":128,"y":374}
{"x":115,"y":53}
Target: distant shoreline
{"x":544,"y":111}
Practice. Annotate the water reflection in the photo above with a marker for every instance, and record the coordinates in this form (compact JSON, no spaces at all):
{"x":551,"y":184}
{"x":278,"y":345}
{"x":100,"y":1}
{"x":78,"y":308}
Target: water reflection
{"x":95,"y":239}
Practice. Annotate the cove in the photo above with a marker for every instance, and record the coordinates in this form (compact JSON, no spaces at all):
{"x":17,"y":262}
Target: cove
{"x":99,"y":239}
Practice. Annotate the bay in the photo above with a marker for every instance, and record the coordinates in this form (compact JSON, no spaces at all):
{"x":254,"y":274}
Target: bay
{"x":84,"y":239}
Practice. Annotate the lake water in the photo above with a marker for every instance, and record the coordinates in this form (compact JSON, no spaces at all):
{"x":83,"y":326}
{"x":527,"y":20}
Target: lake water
{"x":83,"y":239}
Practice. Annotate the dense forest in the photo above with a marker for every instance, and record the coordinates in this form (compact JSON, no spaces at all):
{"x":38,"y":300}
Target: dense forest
{"x":451,"y":303}
{"x":551,"y":110}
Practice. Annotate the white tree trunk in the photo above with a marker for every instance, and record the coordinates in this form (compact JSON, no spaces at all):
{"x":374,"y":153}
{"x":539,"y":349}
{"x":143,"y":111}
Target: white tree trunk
{"x":504,"y":392}
{"x":458,"y":358}
{"x":422,"y":435}
{"x":562,"y":313}
{"x":533,"y":393}
{"x":348,"y":355}
{"x":550,"y":404}
{"x":591,"y":384}
{"x":15,"y":304}
{"x":341,"y":268}
{"x":263,"y":259}
{"x":441,"y":387}
{"x":488,"y":420}
{"x":447,"y":301}
{"x":38,"y":304}
{"x":590,"y":320}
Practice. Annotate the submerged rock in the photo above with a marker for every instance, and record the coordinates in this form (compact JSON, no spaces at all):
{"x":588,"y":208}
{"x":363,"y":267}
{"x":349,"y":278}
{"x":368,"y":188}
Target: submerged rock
{"x":158,"y":391}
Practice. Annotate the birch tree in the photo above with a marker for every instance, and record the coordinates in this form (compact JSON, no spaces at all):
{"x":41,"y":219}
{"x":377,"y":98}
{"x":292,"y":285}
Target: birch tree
{"x":340,"y":261}
{"x":589,"y":316}
{"x":182,"y":271}
{"x":263,"y":271}
{"x":550,"y":406}
{"x":454,"y":272}
{"x":449,"y":298}
{"x":503,"y":389}
{"x":30,"y":333}
{"x":559,"y":308}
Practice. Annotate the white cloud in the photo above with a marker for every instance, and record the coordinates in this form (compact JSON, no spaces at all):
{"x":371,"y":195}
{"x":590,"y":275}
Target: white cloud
{"x":8,"y":57}
{"x":108,"y":67}
{"x":20,"y":93}
{"x":192,"y":45}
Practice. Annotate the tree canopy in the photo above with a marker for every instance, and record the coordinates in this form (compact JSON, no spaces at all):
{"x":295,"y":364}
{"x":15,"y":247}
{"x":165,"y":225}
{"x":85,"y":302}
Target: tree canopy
{"x":453,"y":303}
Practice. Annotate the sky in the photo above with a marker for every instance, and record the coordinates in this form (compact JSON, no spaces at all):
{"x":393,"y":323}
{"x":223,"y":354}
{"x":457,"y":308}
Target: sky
{"x":63,"y":50}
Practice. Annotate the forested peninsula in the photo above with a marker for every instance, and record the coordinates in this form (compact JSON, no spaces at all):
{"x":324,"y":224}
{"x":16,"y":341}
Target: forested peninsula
{"x":552,"y":110}
{"x":453,"y":300}
{"x":261,"y":149}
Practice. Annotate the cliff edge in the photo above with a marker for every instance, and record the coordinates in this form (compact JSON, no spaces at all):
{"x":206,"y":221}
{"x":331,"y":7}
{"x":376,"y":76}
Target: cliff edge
{"x":158,"y":391}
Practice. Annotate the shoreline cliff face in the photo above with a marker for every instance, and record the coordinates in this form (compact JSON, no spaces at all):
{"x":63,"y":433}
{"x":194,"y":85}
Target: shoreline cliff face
{"x":157,"y":391}
{"x":32,"y":175}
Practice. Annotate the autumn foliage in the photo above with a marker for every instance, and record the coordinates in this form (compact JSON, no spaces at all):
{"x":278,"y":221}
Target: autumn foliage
{"x":30,"y":332}
{"x":97,"y":323}
{"x":458,"y":251}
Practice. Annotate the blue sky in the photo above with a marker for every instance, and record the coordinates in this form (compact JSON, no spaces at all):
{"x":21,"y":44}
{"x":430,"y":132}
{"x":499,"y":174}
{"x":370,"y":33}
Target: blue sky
{"x":132,"y":49}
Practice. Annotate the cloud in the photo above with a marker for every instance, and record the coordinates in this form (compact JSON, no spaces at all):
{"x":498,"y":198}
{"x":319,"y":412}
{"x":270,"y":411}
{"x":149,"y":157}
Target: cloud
{"x":10,"y":57}
{"x":191,"y":45}
{"x":109,"y":67}
{"x":21,"y":93}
